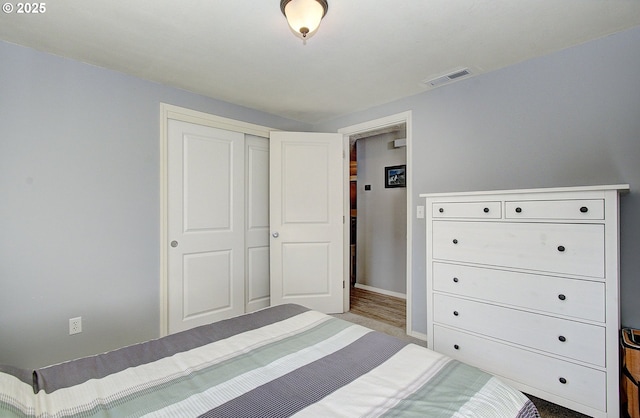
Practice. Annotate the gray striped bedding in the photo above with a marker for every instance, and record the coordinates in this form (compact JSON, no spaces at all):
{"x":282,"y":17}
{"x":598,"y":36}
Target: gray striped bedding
{"x":282,"y":361}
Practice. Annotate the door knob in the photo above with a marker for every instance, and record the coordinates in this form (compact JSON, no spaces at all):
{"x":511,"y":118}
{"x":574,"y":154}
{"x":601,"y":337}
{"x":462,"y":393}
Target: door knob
{"x":275,"y":235}
{"x":174,"y":244}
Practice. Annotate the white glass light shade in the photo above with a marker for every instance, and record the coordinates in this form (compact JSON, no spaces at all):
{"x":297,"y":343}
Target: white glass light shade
{"x":304,"y":16}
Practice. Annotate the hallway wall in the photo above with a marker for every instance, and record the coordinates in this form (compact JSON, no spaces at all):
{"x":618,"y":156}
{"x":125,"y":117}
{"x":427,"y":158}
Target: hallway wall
{"x":382,"y":216}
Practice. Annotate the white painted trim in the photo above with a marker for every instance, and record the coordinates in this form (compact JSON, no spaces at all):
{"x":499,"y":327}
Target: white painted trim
{"x":167,"y":112}
{"x":418,"y":335}
{"x":376,"y":124}
{"x":381,"y":291}
{"x":193,"y":116}
{"x":404,"y":117}
{"x":164,"y":217}
{"x":622,"y":188}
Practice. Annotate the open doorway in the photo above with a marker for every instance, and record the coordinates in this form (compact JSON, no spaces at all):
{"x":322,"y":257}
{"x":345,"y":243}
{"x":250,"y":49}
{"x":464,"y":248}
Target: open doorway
{"x":378,"y":224}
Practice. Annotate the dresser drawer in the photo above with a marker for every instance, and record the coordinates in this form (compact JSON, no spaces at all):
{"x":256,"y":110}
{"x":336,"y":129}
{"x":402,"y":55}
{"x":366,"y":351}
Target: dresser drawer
{"x":570,"y":297}
{"x":561,"y":248}
{"x":555,"y":209}
{"x":471,"y":210}
{"x":584,"y":385}
{"x":574,"y":340}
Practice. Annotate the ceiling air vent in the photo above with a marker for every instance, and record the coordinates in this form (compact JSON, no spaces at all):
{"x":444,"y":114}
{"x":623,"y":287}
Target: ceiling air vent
{"x":447,"y":78}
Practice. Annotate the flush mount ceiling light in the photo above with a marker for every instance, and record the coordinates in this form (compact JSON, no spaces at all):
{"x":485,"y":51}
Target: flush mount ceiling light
{"x":304,"y":16}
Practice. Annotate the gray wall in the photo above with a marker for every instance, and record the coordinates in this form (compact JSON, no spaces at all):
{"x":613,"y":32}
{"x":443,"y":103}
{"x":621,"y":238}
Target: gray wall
{"x":79,"y":204}
{"x":570,"y":118}
{"x":382,"y":216}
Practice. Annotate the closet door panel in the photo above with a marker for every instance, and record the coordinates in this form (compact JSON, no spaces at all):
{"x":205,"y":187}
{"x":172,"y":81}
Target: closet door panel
{"x":257,"y":295}
{"x":206,"y":245}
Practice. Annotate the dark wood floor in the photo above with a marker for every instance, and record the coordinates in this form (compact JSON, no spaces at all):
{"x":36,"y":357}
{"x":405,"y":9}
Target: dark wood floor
{"x":383,"y":308}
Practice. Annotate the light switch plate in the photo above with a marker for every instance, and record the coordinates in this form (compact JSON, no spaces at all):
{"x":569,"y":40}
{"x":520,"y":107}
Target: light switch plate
{"x":420,"y":212}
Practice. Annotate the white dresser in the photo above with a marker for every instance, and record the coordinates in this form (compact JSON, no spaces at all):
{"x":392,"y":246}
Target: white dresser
{"x":524,"y":284}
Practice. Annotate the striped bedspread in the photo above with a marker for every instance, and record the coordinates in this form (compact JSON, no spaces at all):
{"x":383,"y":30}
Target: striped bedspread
{"x":281,"y":361}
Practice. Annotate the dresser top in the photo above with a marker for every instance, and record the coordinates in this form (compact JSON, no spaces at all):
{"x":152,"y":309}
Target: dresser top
{"x":621,"y":188}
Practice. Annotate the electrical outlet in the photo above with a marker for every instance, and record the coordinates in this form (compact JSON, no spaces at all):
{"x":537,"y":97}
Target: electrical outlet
{"x":75,"y":325}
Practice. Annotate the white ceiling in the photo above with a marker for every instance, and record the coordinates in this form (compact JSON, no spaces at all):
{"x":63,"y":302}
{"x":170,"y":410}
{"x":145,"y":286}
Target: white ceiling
{"x":366,"y":52}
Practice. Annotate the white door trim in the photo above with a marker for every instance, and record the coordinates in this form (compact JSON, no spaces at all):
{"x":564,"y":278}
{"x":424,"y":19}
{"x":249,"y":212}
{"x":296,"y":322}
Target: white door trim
{"x":167,"y":112}
{"x":404,"y":117}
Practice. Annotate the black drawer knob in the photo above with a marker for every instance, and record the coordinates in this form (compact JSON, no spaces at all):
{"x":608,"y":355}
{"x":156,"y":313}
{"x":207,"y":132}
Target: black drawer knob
{"x":584,"y":209}
{"x":562,"y":338}
{"x":518,"y":210}
{"x":563,"y":380}
{"x":562,"y":297}
{"x":455,"y":280}
{"x":561,"y":248}
{"x":456,"y":346}
{"x":455,"y":241}
{"x":455,"y":313}
{"x":486,"y":210}
{"x":441,"y":210}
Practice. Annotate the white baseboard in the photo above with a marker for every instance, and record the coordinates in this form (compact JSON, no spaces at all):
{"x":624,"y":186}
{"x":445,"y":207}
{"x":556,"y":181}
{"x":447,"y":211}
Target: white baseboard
{"x":382,"y":291}
{"x":417,"y":335}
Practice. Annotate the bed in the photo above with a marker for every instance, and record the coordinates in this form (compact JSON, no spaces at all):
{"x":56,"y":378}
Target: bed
{"x":282,"y":361}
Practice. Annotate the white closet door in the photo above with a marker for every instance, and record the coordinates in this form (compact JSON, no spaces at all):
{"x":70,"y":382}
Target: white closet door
{"x":307,"y":220}
{"x":206,"y":224}
{"x":257,"y":223}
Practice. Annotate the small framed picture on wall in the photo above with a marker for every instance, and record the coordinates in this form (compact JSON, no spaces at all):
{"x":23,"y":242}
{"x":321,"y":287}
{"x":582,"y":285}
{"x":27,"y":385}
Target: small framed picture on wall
{"x":395,"y":176}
